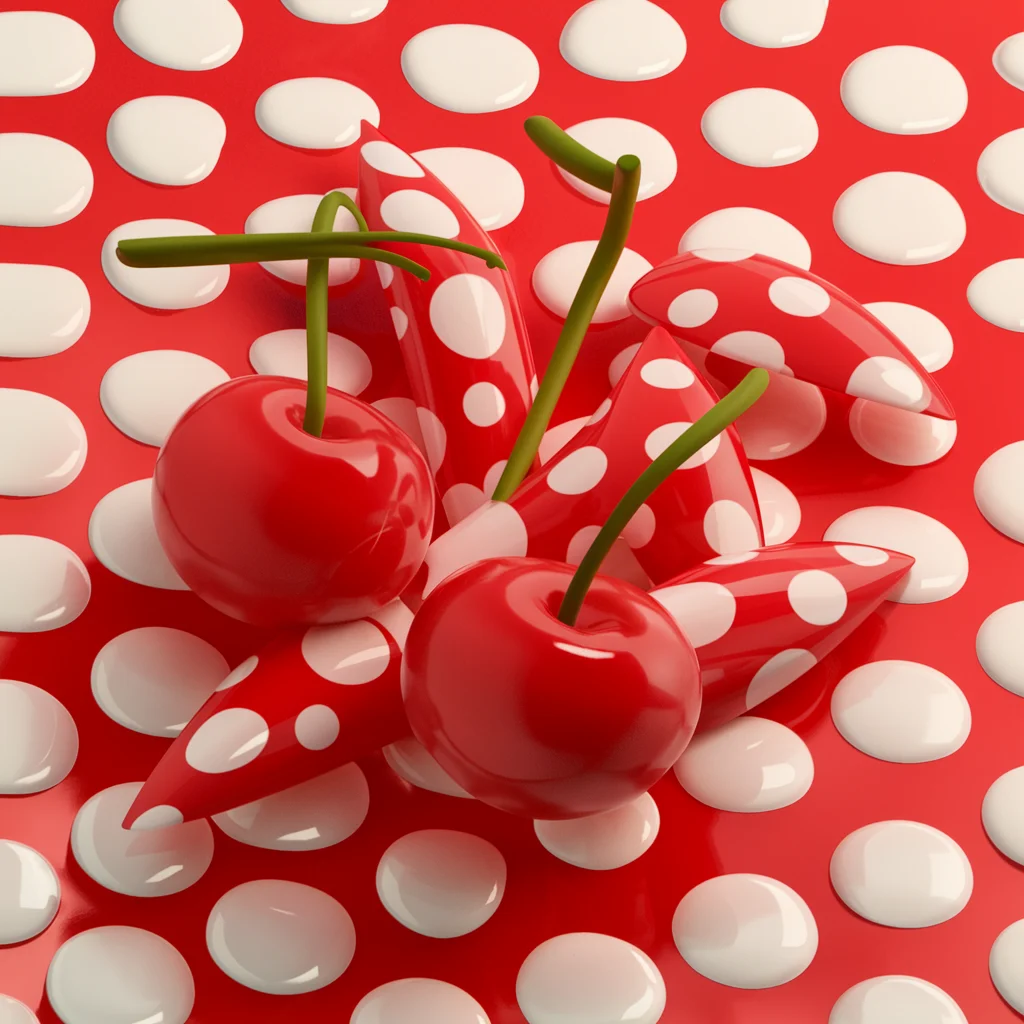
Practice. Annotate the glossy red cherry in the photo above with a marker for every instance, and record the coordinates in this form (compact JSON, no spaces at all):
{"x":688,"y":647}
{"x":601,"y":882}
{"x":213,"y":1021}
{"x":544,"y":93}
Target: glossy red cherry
{"x":274,"y":526}
{"x":537,"y":717}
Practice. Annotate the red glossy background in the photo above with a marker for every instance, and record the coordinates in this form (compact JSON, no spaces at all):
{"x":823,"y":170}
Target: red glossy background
{"x":544,"y":896}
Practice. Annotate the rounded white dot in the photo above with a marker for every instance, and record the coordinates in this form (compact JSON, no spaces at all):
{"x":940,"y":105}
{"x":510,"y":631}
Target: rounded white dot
{"x":703,"y":610}
{"x":460,"y":500}
{"x":467,"y":314}
{"x":186,"y":35}
{"x":349,"y":653}
{"x":1000,"y":814}
{"x":317,"y":727}
{"x":42,"y":54}
{"x":902,"y":874}
{"x":14,"y":1011}
{"x":669,"y":374}
{"x":410,"y":209}
{"x":42,"y":444}
{"x":557,"y":437}
{"x":905,"y":90}
{"x":283,"y":354}
{"x":558,"y":275}
{"x":618,"y":366}
{"x":401,"y":321}
{"x":780,"y":511}
{"x":798,"y":296}
{"x":603,"y":842}
{"x":901,"y":711}
{"x":43,"y":181}
{"x":441,"y":883}
{"x":315,"y":113}
{"x":662,"y":437}
{"x":817,"y":597}
{"x":777,"y":673}
{"x":785,"y":420}
{"x":760,"y":127}
{"x":693,"y":308}
{"x":46,"y":309}
{"x":890,"y":381}
{"x":999,"y":490}
{"x":734,"y":559}
{"x":483,"y":403}
{"x":771,"y":936}
{"x":749,"y":764}
{"x":424,"y":1000}
{"x":774,"y":25}
{"x":470,"y":69}
{"x":580,"y":471}
{"x":1000,"y":647}
{"x":858,"y":554}
{"x":895,"y":998}
{"x":38,"y":739}
{"x":1007,"y":954}
{"x":753,"y":348}
{"x":227,"y":740}
{"x":900,"y":218}
{"x":730,"y":529}
{"x":490,"y":187}
{"x":900,"y":437}
{"x":281,"y":938}
{"x":999,"y":170}
{"x":637,"y":533}
{"x":410,"y":760}
{"x":310,"y":816}
{"x":746,"y":229}
{"x":940,"y":561}
{"x":117,"y":973}
{"x":387,"y":157}
{"x":926,"y":336}
{"x":1008,"y":59}
{"x":43,"y":584}
{"x":159,"y":817}
{"x":236,"y":675}
{"x":996,"y":293}
{"x":336,"y":12}
{"x":29,"y":893}
{"x":587,"y":977}
{"x":150,"y":862}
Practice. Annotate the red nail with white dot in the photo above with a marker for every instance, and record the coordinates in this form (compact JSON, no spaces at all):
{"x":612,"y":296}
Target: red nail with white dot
{"x":307,"y":703}
{"x":759,"y":311}
{"x":462,"y":335}
{"x":759,"y":624}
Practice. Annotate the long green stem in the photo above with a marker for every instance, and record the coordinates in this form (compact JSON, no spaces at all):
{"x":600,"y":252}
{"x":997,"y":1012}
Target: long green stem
{"x":570,"y":155}
{"x":212,"y":250}
{"x":709,"y":426}
{"x":317,"y":272}
{"x":350,"y":204}
{"x":581,"y":312}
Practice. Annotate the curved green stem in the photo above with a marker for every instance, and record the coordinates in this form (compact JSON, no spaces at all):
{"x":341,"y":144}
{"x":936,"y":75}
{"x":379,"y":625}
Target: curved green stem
{"x":317,"y":272}
{"x":350,"y":204}
{"x":581,"y":312}
{"x":570,"y":155}
{"x":211,"y":250}
{"x":709,"y":426}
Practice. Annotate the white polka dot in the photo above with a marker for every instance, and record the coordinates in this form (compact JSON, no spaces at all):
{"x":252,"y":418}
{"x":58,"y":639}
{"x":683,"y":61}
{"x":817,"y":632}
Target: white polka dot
{"x":119,"y":973}
{"x":638,"y":532}
{"x":278,"y":937}
{"x":317,"y":727}
{"x":137,"y":863}
{"x":42,"y":54}
{"x":620,"y":561}
{"x":900,"y":218}
{"x":940,"y":567}
{"x":492,"y":476}
{"x":557,"y":437}
{"x":902,"y":874}
{"x":746,"y":230}
{"x":1007,"y":953}
{"x":43,"y":181}
{"x":760,"y":127}
{"x":777,"y":673}
{"x":747,"y":765}
{"x":786,"y":419}
{"x":43,"y":584}
{"x":693,"y":308}
{"x":123,"y":537}
{"x":38,"y":739}
{"x":753,"y":348}
{"x":901,"y":711}
{"x":159,"y":817}
{"x":798,"y":297}
{"x":29,"y":891}
{"x":618,"y":366}
{"x":441,"y":883}
{"x":243,"y":671}
{"x":905,"y":90}
{"x":424,"y":1000}
{"x":46,"y":309}
{"x":779,"y":509}
{"x":999,"y":490}
{"x":559,"y":274}
{"x":1000,"y":647}
{"x":588,"y":977}
{"x":14,"y":1011}
{"x":388,"y":158}
{"x":817,"y":597}
{"x":1000,"y":814}
{"x":490,"y":187}
{"x":580,"y":471}
{"x":386,"y":273}
{"x":734,"y":559}
{"x":999,"y":170}
{"x":468,"y":316}
{"x":410,"y":760}
{"x":899,"y":437}
{"x":187,"y":35}
{"x":283,"y":354}
{"x":461,"y":500}
{"x":336,"y":12}
{"x":670,"y":374}
{"x":661,"y":437}
{"x":774,"y":23}
{"x":704,"y":611}
{"x":227,"y":740}
{"x":42,"y":444}
{"x":409,"y":209}
{"x":926,"y":336}
{"x":860,"y":555}
{"x":400,"y":320}
{"x":603,"y":842}
{"x":483,"y":403}
{"x":771,"y":936}
{"x":310,"y":816}
{"x":435,"y":437}
{"x":996,"y":293}
{"x":729,"y":528}
{"x":470,"y":69}
{"x":895,"y":998}
{"x":315,"y":113}
{"x":349,"y":653}
{"x":145,"y":394}
{"x":888,"y":380}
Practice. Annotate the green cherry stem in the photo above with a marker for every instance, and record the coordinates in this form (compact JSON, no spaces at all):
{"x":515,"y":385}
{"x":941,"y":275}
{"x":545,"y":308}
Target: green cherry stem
{"x":581,"y":312}
{"x":570,"y":155}
{"x":317,"y":271}
{"x":709,"y":426}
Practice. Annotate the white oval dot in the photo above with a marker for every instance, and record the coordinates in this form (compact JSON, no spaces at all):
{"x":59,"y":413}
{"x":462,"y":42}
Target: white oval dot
{"x":926,"y":336}
{"x":755,"y":348}
{"x":117,"y":973}
{"x":817,"y":597}
{"x":745,"y":229}
{"x":638,"y":532}
{"x":236,"y":675}
{"x":996,"y":293}
{"x":749,"y":764}
{"x":389,"y":159}
{"x":1007,"y":954}
{"x":43,"y":584}
{"x":860,"y":555}
{"x":669,"y":374}
{"x":900,"y":437}
{"x":315,"y":113}
{"x":902,"y":874}
{"x":281,"y":938}
{"x":410,"y":760}
{"x":316,"y":727}
{"x":1000,"y":647}
{"x":227,"y":740}
{"x":45,"y":310}
{"x":409,"y":209}
{"x":557,"y":437}
{"x":777,"y":673}
{"x":43,"y":181}
{"x":43,"y":54}
{"x":336,"y":12}
{"x":693,"y":308}
{"x":760,"y":127}
{"x":580,"y":471}
{"x":1000,"y":814}
{"x":704,"y":610}
{"x":349,"y":653}
{"x":618,"y":366}
{"x":774,"y":23}
{"x":662,"y":437}
{"x":603,"y":842}
{"x":729,"y":528}
{"x":310,"y":816}
{"x":999,"y":170}
{"x":14,"y":1011}
{"x":38,"y":739}
{"x":901,"y":711}
{"x":999,"y":490}
{"x":424,"y":1000}
{"x":187,"y":35}
{"x":895,"y":998}
{"x":771,"y":937}
{"x":42,"y":444}
{"x":798,"y":297}
{"x":483,"y":403}
{"x":1008,"y":59}
{"x":468,"y":316}
{"x":785,"y":420}
{"x":283,"y":354}
{"x":780,"y":511}
{"x":486,"y":184}
{"x":888,"y":380}
{"x":29,"y":890}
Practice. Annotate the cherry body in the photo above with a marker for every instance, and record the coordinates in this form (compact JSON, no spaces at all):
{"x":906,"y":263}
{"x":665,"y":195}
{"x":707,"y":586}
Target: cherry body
{"x":273,"y":526}
{"x":539,"y":718}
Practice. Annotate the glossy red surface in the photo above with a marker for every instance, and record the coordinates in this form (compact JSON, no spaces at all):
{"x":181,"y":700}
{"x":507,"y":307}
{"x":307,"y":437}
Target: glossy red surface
{"x":539,"y":718}
{"x":275,"y":527}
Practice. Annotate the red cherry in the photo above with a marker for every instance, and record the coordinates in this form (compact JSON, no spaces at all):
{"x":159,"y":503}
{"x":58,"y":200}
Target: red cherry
{"x":539,"y":718}
{"x":274,"y":526}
